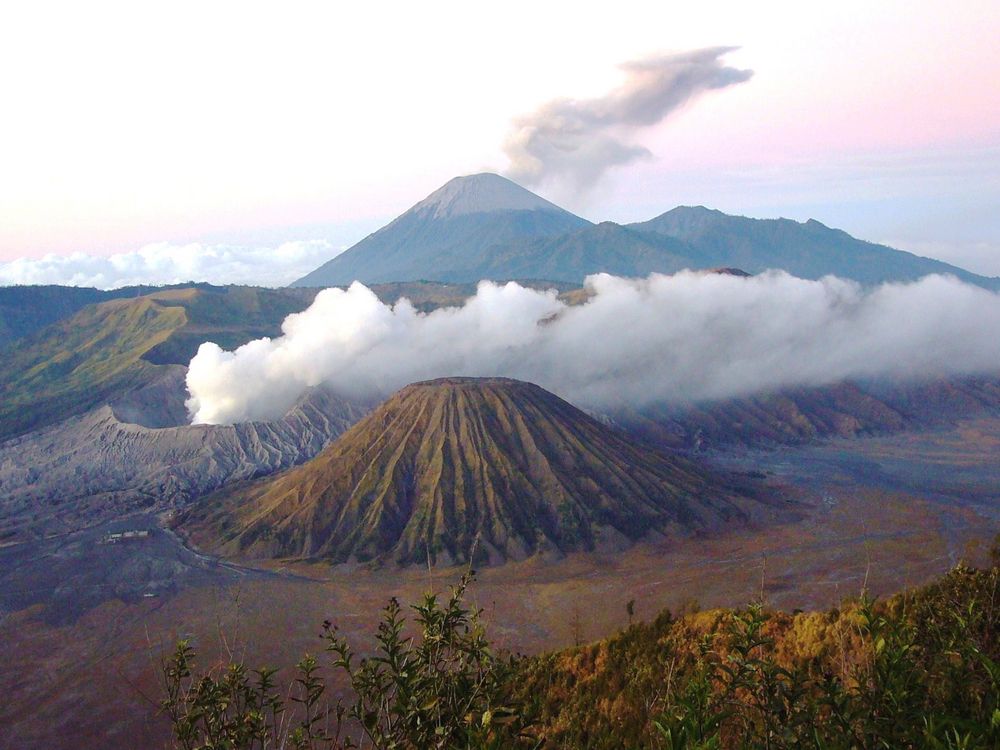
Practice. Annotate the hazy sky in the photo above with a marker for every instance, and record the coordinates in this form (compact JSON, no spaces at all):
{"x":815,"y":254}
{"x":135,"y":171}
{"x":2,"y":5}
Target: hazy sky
{"x":125,"y":124}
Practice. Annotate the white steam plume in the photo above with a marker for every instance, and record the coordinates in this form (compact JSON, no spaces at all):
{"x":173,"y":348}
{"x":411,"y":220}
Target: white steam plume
{"x":166,"y":263}
{"x":685,"y":337}
{"x":576,"y":141}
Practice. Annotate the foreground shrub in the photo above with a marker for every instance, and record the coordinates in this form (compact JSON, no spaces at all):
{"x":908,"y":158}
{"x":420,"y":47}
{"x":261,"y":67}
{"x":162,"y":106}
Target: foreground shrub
{"x":442,"y":687}
{"x":919,"y":670}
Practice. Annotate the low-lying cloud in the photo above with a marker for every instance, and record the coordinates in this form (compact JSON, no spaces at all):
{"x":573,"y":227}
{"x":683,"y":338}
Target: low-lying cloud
{"x":576,"y":141}
{"x":688,"y":337}
{"x":166,"y":263}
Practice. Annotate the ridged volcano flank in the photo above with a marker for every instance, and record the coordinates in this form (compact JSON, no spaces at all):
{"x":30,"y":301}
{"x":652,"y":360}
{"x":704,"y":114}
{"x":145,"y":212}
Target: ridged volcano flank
{"x":445,"y":461}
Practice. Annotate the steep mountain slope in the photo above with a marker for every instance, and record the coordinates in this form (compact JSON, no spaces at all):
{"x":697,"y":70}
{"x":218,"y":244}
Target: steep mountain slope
{"x":808,"y":250}
{"x":448,"y":235}
{"x":446,"y":462}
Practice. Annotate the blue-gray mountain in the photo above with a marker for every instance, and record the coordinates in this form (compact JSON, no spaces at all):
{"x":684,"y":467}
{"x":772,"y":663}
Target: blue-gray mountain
{"x":808,"y":250}
{"x":487,"y":227}
{"x":448,"y":235}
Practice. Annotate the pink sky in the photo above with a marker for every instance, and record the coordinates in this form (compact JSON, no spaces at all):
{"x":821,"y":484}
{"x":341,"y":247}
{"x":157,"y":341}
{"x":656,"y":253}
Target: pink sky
{"x":125,"y":126}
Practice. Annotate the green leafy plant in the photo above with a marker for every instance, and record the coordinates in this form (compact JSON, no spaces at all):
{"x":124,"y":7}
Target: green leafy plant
{"x":441,"y":686}
{"x":920,"y":670}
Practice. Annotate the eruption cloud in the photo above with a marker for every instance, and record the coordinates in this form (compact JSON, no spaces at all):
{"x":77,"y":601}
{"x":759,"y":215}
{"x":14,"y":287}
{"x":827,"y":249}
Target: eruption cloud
{"x":687,"y":337}
{"x":577,"y":140}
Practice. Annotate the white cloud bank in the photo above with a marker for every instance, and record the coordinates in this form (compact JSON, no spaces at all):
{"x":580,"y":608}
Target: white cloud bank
{"x":676,"y":338}
{"x":165,"y":263}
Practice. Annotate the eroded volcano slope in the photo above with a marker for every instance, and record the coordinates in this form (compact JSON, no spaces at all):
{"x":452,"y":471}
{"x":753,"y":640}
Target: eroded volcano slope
{"x":445,"y":462}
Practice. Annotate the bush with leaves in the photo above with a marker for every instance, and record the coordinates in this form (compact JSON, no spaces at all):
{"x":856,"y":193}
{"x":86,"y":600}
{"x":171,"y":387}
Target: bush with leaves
{"x":442,"y":687}
{"x":920,"y":670}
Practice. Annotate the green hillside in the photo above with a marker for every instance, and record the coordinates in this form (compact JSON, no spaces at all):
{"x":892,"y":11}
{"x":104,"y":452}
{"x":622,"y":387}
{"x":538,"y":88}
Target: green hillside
{"x":108,"y":349}
{"x":81,"y":362}
{"x":28,"y":308}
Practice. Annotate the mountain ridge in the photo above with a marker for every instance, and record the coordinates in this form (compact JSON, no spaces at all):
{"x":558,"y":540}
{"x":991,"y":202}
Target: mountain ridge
{"x":808,"y":249}
{"x":486,"y":227}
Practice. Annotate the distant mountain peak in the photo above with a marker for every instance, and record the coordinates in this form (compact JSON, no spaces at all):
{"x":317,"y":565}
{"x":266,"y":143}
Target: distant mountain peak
{"x":694,"y":212}
{"x":450,"y":235}
{"x":481,"y":193}
{"x":699,"y":209}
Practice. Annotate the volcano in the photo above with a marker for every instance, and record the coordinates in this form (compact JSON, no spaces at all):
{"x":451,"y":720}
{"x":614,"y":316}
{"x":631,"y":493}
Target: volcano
{"x":449,"y":235}
{"x":449,"y":466}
